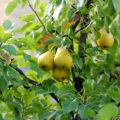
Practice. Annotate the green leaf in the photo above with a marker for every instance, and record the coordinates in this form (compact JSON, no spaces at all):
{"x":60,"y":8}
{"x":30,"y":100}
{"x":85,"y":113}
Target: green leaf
{"x":70,"y":105}
{"x":7,"y":36}
{"x":11,"y":49}
{"x":116,"y":4}
{"x":21,"y":61}
{"x":41,"y":90}
{"x":61,"y":116}
{"x":57,"y":2}
{"x":85,"y":112}
{"x":11,"y":6}
{"x":109,"y":9}
{"x":16,"y":105}
{"x":35,"y":67}
{"x":14,"y":76}
{"x":49,"y":114}
{"x":42,"y":8}
{"x":107,"y":112}
{"x":114,"y":28}
{"x":77,"y":61}
{"x":7,"y":24}
{"x":65,"y":90}
{"x":5,"y":109}
{"x":66,"y":42}
{"x":36,"y":107}
{"x":1,"y":118}
{"x":24,"y":2}
{"x":1,"y":33}
{"x":27,"y":18}
{"x":89,"y":85}
{"x":27,"y":57}
{"x":114,"y":93}
{"x":47,"y":87}
{"x":28,"y":27}
{"x":3,"y":83}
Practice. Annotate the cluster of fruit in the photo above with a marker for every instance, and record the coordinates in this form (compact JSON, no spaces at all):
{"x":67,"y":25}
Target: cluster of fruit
{"x":60,"y":63}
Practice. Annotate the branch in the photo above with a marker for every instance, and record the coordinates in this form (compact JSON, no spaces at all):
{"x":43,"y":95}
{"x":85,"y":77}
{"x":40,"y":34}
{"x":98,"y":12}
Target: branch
{"x":88,"y":3}
{"x":1,"y":43}
{"x":78,"y":81}
{"x":36,"y":14}
{"x":33,"y":83}
{"x":55,"y":98}
{"x":26,"y":78}
{"x":117,"y":65}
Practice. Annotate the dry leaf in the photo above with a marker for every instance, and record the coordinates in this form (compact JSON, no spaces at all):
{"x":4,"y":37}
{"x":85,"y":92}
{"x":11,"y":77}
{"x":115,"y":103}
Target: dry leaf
{"x":45,"y":38}
{"x":6,"y":57}
{"x":67,"y":24}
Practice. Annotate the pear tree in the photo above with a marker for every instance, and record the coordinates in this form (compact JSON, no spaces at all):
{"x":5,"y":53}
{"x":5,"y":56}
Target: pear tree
{"x":62,"y":62}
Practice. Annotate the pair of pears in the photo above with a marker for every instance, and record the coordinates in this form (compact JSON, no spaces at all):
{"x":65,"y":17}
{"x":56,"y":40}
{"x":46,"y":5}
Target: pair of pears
{"x":106,"y":40}
{"x":60,"y":63}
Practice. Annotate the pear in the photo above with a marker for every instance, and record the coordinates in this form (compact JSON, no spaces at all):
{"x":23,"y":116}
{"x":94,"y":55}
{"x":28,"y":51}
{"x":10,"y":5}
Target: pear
{"x":46,"y":61}
{"x":106,"y":40}
{"x":63,"y":58}
{"x":60,"y":73}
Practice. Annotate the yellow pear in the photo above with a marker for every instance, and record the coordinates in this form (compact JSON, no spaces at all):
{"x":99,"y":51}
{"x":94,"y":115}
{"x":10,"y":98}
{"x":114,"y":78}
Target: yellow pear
{"x":106,"y":40}
{"x":46,"y":61}
{"x":63,"y":58}
{"x":60,"y":73}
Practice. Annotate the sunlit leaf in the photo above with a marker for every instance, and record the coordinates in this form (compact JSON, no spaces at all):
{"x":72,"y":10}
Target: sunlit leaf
{"x":35,"y":67}
{"x":27,"y":18}
{"x":116,"y":4}
{"x":11,"y":6}
{"x":107,"y":111}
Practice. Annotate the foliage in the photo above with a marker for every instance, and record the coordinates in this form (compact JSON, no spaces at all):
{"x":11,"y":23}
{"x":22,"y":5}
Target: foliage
{"x":92,"y":91}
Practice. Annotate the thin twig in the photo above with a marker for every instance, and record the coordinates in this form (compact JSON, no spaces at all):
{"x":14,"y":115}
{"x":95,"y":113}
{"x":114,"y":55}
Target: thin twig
{"x":36,"y":14}
{"x":82,"y":28}
{"x":68,"y":36}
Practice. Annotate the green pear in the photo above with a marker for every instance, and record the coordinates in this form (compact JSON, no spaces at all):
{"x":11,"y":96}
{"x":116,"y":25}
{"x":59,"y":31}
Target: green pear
{"x":46,"y":61}
{"x":60,"y":73}
{"x":106,"y":40}
{"x":63,"y":58}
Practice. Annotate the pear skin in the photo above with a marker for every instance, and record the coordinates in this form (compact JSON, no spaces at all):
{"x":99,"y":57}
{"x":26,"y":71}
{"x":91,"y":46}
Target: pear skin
{"x":46,"y":61}
{"x":60,"y":73}
{"x":63,"y":59}
{"x":106,"y":40}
